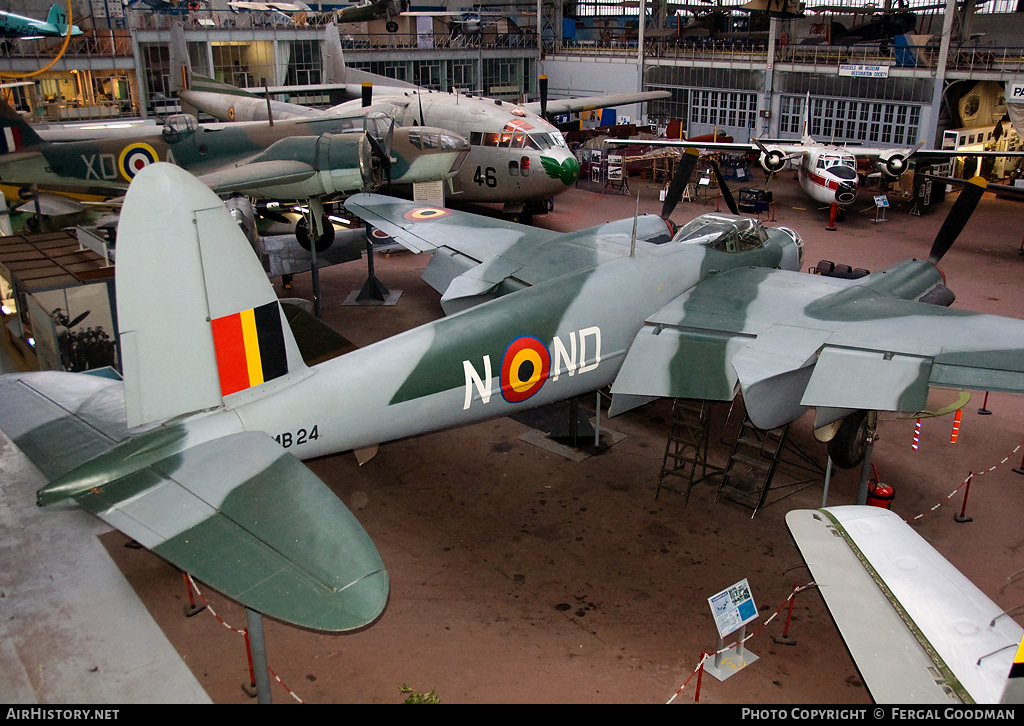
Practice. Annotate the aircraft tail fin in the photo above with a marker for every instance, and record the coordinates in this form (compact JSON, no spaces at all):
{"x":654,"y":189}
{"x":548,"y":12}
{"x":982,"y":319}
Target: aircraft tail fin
{"x":200,"y":323}
{"x":58,"y":18}
{"x":805,"y":124}
{"x":333,"y":57}
{"x":181,"y":65}
{"x":16,"y":134}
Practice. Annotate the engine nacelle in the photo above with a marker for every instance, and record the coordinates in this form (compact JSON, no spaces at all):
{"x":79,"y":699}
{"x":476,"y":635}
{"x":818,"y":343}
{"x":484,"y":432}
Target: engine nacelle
{"x":342,"y":164}
{"x":893,"y":163}
{"x":772,"y":160}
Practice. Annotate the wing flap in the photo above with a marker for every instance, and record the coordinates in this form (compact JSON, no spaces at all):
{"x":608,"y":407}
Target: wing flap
{"x":250,"y":520}
{"x":918,"y":629}
{"x":897,"y":382}
{"x":674,"y":363}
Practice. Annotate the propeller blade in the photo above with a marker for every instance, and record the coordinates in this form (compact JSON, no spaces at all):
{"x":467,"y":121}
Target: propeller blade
{"x":730,"y":201}
{"x":78,"y":319}
{"x":684,"y":170}
{"x":957,"y":218}
{"x":542,"y":83}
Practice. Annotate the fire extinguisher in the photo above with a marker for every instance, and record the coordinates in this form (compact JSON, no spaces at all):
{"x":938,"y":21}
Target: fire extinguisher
{"x":879,"y":494}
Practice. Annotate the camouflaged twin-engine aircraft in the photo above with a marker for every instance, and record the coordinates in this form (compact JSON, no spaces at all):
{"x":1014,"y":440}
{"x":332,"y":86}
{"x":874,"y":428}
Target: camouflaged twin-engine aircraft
{"x":305,"y":160}
{"x":196,"y":455}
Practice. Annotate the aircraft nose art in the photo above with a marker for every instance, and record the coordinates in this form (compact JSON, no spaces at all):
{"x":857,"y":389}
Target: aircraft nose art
{"x":562,"y":167}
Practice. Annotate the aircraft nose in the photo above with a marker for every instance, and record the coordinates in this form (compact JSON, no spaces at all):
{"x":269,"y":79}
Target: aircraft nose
{"x":846,"y":193}
{"x":561,"y":166}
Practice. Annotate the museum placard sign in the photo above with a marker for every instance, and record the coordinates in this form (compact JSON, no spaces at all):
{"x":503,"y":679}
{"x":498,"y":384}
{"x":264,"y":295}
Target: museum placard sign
{"x":733,"y":608}
{"x":863,"y":71}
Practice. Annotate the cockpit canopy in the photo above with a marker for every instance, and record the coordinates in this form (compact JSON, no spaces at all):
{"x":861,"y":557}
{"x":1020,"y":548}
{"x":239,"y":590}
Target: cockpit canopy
{"x":723,"y":232}
{"x":179,"y":125}
{"x":843,"y":166}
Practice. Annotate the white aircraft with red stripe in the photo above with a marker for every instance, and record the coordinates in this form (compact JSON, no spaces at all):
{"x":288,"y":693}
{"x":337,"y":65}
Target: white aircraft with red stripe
{"x":827,"y":172}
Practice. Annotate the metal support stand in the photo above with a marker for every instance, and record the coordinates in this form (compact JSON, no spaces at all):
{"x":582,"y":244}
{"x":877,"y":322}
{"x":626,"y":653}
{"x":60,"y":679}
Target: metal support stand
{"x":258,"y":656}
{"x":373,"y":289}
{"x":316,"y":212}
{"x":865,"y":469}
{"x":727,"y":665}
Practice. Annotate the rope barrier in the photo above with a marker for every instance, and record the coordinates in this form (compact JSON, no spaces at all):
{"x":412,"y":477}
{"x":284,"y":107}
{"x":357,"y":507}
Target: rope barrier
{"x":243,"y":631}
{"x":705,"y":655}
{"x":966,"y":481}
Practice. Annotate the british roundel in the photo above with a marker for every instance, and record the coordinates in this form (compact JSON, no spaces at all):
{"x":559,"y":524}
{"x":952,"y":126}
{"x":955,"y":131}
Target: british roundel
{"x":524,"y":368}
{"x":134,"y":158}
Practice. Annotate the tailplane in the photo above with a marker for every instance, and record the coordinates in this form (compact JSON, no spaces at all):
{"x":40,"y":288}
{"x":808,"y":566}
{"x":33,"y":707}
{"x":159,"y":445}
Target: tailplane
{"x":200,"y":324}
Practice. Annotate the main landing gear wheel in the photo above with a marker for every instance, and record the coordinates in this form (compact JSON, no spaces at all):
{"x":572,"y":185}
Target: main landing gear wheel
{"x":305,"y":239}
{"x":847,"y":447}
{"x":392,"y":26}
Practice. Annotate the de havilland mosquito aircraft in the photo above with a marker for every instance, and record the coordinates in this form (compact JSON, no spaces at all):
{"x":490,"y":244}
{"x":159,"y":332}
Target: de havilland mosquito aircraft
{"x":197,"y":453}
{"x":516,"y":158}
{"x":305,"y":160}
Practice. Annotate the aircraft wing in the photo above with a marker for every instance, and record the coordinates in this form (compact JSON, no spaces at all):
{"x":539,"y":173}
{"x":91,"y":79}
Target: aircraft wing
{"x":791,"y":340}
{"x":257,"y":174}
{"x":237,"y":512}
{"x":918,"y":629}
{"x":469,"y":259}
{"x":573,"y":105}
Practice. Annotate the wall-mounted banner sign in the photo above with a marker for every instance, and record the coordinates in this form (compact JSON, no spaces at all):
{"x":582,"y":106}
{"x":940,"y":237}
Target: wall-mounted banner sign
{"x":863,"y":71}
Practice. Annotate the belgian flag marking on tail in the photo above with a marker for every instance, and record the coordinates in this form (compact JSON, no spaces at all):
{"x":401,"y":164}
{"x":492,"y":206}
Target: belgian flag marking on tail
{"x":250,"y":348}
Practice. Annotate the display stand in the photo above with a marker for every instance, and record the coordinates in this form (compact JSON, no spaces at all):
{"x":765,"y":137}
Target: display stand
{"x":732,"y":662}
{"x":881,"y":204}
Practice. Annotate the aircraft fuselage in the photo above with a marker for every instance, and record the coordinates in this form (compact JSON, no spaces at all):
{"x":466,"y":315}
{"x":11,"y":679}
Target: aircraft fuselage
{"x":829,"y":175}
{"x":558,"y":339}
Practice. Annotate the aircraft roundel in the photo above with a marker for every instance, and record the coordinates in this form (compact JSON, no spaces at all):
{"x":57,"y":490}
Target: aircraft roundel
{"x":134,"y":158}
{"x":524,"y":368}
{"x":422,"y":214}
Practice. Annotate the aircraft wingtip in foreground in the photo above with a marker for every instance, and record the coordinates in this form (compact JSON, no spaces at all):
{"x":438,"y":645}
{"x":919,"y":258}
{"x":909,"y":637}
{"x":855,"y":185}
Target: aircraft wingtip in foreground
{"x":918,"y":629}
{"x":197,"y":454}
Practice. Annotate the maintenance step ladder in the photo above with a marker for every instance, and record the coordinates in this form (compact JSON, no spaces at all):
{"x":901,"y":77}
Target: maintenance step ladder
{"x":752,"y":465}
{"x":766,"y":461}
{"x":686,"y":450}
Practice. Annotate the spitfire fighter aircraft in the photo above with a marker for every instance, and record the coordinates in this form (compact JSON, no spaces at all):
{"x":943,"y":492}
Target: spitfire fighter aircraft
{"x":196,"y":455}
{"x":55,"y":25}
{"x":304,"y":159}
{"x":516,"y":156}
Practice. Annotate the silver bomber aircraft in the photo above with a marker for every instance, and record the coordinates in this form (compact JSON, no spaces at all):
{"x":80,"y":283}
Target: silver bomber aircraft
{"x":516,"y":158}
{"x":196,"y":455}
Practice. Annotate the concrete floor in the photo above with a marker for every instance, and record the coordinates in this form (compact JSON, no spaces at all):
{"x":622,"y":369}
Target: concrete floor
{"x":519,"y":575}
